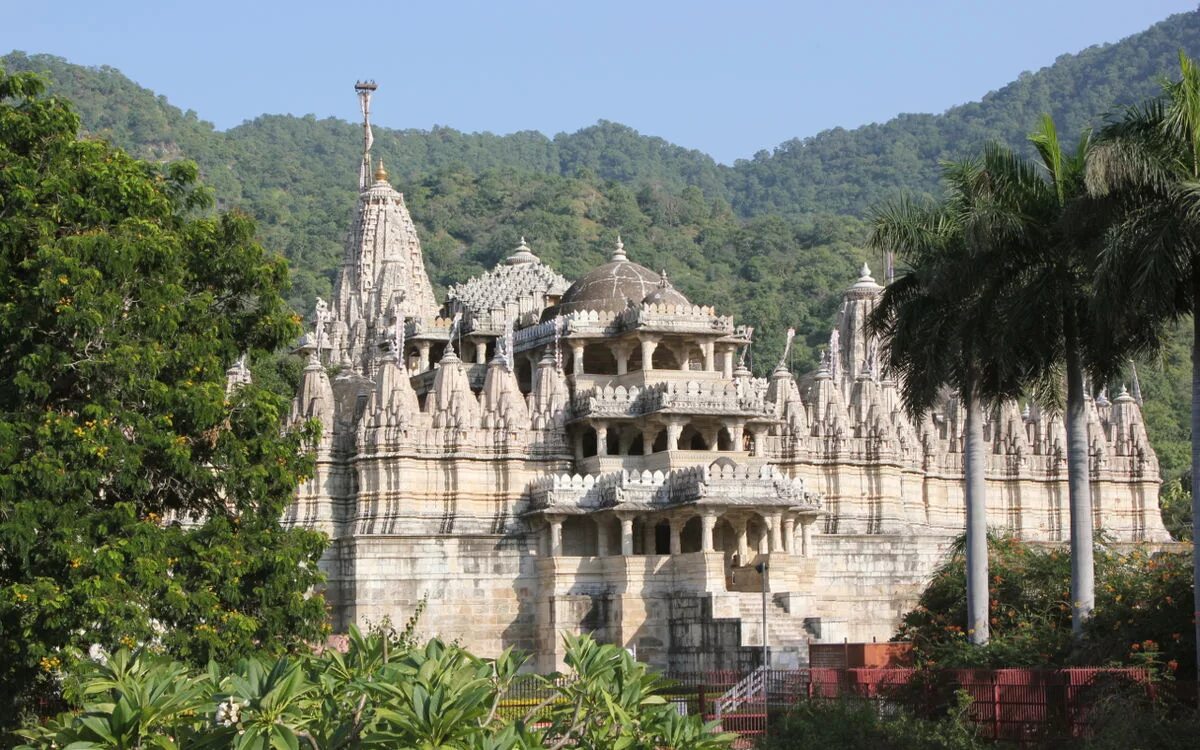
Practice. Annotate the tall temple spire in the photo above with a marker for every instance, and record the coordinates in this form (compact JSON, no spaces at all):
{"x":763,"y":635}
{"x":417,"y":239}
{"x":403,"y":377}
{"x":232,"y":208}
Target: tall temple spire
{"x":364,"y":89}
{"x":383,"y":270}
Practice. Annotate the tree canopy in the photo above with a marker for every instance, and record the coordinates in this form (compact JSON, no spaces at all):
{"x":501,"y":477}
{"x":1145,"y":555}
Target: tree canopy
{"x":139,"y":502}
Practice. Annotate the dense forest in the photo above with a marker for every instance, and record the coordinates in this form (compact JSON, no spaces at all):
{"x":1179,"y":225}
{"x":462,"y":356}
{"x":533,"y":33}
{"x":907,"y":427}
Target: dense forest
{"x":772,"y":239}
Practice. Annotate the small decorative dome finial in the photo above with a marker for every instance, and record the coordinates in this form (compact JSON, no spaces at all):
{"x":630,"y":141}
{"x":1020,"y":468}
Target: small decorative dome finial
{"x":665,"y":283}
{"x":380,"y":172}
{"x":619,"y":253}
{"x":864,"y":273}
{"x":521,"y":255}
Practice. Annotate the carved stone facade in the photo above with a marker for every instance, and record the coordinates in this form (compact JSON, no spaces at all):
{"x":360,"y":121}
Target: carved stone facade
{"x":536,"y":457}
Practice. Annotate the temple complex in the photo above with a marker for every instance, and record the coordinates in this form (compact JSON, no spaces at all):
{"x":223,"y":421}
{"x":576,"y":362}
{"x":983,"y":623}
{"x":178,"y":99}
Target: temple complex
{"x":539,"y":455}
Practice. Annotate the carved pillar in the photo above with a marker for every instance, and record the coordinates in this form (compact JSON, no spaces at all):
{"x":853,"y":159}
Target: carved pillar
{"x":621,"y":353}
{"x":737,"y":432}
{"x":601,"y":538}
{"x":555,"y":535}
{"x":727,"y":364}
{"x":776,"y":522}
{"x":806,"y":532}
{"x":649,"y":344}
{"x":789,"y":534}
{"x":601,"y":438}
{"x":743,"y":543}
{"x":708,"y":522}
{"x":710,"y":359}
{"x":677,"y":535}
{"x":759,"y":446}
{"x":423,"y":362}
{"x":626,"y":534}
{"x":577,"y":361}
{"x":674,"y":430}
{"x":649,"y":537}
{"x":481,"y":352}
{"x":577,"y":441}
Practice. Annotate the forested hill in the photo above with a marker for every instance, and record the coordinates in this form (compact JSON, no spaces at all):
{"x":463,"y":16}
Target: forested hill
{"x":838,"y":171}
{"x":849,"y":171}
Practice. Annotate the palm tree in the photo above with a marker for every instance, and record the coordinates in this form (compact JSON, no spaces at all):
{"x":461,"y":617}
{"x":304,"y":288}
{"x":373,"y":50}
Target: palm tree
{"x":1036,"y":222}
{"x":1148,"y":162}
{"x":939,"y":330}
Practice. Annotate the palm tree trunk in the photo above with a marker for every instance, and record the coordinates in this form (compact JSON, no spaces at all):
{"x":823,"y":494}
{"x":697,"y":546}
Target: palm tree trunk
{"x":975,"y":485}
{"x":1083,"y":576}
{"x":1196,"y":459}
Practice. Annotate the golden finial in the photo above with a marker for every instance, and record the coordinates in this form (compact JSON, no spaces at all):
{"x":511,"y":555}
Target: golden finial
{"x":380,"y":172}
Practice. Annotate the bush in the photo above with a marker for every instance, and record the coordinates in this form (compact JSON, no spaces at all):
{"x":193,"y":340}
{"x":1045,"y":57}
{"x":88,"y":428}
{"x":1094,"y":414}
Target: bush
{"x":383,"y":692}
{"x":851,"y":723}
{"x":1143,"y":614}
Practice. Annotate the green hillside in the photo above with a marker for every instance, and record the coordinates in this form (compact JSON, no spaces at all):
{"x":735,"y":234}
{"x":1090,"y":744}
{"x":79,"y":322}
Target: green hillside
{"x":772,"y":239}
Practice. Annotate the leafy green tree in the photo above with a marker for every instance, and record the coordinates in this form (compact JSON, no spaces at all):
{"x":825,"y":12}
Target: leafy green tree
{"x":139,"y":502}
{"x":1149,"y":162}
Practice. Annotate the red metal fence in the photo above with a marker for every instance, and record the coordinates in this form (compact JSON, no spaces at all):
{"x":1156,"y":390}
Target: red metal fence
{"x":1005,"y":704}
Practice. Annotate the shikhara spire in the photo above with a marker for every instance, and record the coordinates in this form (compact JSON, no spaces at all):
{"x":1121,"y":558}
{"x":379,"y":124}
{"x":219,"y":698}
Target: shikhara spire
{"x":383,"y":277}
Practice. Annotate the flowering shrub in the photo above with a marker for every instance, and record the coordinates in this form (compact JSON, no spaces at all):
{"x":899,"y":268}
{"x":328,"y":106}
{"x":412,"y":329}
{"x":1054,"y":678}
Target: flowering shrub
{"x":1143,"y":614}
{"x":381,"y":693}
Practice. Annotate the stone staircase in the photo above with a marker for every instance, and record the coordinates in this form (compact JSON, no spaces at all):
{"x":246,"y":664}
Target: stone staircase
{"x":786,"y":636}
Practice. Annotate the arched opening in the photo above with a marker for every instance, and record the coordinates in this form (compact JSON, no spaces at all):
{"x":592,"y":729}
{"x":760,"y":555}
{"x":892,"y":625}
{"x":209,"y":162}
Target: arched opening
{"x":756,"y":536}
{"x":660,"y":442}
{"x":638,"y":446}
{"x":598,"y":359}
{"x":664,"y":358}
{"x":662,"y":538}
{"x":691,"y":536}
{"x":691,"y":440}
{"x":589,"y":442}
{"x":579,"y":537}
{"x":724,"y":440}
{"x":612,"y":442}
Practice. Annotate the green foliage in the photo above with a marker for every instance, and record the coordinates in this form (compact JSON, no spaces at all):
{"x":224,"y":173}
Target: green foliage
{"x":856,"y":723}
{"x":1143,"y":611}
{"x":1175,"y":502}
{"x":139,"y":503}
{"x":380,"y":693}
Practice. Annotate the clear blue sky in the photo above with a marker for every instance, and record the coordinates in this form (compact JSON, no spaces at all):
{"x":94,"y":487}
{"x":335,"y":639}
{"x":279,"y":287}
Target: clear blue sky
{"x":728,"y":78}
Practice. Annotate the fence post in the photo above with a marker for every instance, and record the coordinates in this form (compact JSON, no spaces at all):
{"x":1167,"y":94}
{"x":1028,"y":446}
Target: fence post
{"x":700,"y":700}
{"x":995,"y":705}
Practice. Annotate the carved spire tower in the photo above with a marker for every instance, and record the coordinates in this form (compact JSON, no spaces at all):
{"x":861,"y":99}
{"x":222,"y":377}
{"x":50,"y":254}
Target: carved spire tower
{"x":383,"y":269}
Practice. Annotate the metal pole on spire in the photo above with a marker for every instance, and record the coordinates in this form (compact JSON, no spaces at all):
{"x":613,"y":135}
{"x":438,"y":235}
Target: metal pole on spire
{"x":787,"y":348}
{"x":364,"y":89}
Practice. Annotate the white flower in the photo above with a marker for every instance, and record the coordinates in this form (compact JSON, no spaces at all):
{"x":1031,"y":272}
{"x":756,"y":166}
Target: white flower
{"x":228,"y":713}
{"x":97,"y":654}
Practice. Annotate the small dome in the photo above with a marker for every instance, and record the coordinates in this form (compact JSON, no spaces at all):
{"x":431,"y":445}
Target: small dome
{"x":608,"y":288}
{"x":521,"y":255}
{"x":665,"y":294}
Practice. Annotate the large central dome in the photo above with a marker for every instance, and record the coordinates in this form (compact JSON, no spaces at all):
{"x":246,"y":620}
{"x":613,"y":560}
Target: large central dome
{"x":608,"y":288}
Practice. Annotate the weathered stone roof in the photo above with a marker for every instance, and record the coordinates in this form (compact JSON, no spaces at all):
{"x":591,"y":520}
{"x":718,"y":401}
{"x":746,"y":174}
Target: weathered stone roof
{"x":610,"y":287}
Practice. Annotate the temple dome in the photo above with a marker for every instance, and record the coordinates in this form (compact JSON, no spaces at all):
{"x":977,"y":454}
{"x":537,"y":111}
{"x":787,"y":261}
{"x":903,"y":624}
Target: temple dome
{"x":608,"y":288}
{"x":665,"y":294}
